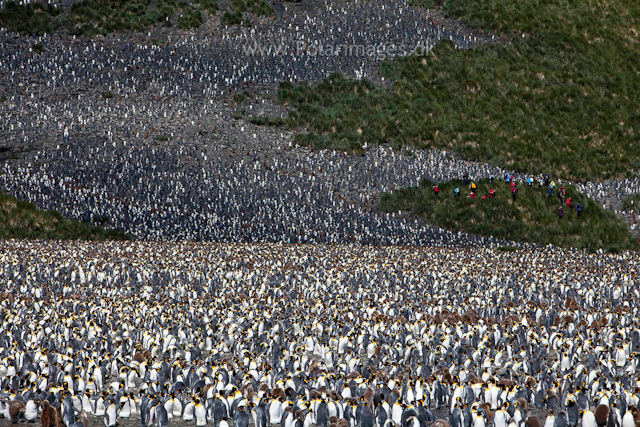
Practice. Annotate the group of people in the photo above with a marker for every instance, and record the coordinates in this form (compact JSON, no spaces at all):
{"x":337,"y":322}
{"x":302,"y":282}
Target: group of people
{"x":511,"y":180}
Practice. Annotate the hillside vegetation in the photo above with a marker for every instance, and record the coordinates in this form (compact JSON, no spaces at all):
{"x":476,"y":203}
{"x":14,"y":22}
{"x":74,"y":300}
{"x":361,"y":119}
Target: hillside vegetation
{"x":632,"y":202}
{"x":22,"y":220}
{"x":563,"y":96}
{"x":532,"y":217}
{"x":94,"y":17}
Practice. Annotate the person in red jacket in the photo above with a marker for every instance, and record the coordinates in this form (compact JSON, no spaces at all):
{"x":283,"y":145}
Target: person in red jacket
{"x":436,"y":190}
{"x":569,"y":202}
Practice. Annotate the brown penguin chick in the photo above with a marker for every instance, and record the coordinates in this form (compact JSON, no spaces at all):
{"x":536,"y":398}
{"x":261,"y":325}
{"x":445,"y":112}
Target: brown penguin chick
{"x":440,"y":423}
{"x":44,"y":418}
{"x":59,"y":420}
{"x":437,"y":319}
{"x":84,"y":418}
{"x":378,"y":351}
{"x":16,"y":410}
{"x":333,"y":420}
{"x":487,"y":409}
{"x":343,"y":423}
{"x":243,"y":390}
{"x":48,"y":418}
{"x":278,"y":393}
{"x":523,"y":404}
{"x":550,"y":393}
{"x":602,"y":415}
{"x":313,"y":367}
{"x":532,"y":421}
{"x":368,"y":394}
{"x":205,"y":389}
{"x":506,"y":382}
{"x":636,"y":414}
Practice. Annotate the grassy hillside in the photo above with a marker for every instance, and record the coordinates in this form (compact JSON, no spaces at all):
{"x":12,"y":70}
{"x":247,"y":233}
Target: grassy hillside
{"x":632,"y":202}
{"x":93,"y":17}
{"x":22,"y":220}
{"x":533,"y":217}
{"x":564,"y":99}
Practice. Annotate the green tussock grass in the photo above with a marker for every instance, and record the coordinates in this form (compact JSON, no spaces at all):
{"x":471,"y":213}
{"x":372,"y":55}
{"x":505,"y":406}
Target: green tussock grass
{"x":427,"y":4}
{"x":190,"y":18}
{"x":22,"y":220}
{"x":33,"y":18}
{"x":266,"y":121}
{"x":632,"y":202}
{"x":210,"y":6}
{"x":565,"y":98}
{"x":533,"y":217}
{"x":237,"y":13}
{"x":94,"y":17}
{"x":241,"y":97}
{"x":38,"y":48}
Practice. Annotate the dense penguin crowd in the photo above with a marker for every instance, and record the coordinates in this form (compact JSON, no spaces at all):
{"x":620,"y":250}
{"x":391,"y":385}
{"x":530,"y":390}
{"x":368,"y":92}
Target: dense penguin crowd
{"x":153,"y":334}
{"x":179,"y":86}
{"x":150,"y":192}
{"x":300,"y":317}
{"x":244,"y":195}
{"x":54,"y":92}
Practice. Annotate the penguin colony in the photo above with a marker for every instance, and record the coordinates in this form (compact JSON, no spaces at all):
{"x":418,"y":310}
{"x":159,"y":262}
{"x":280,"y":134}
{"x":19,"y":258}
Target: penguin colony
{"x":173,"y":81}
{"x":153,"y":193}
{"x":157,"y":334}
{"x":216,"y":61}
{"x":179,"y":84}
{"x":179,"y":87}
